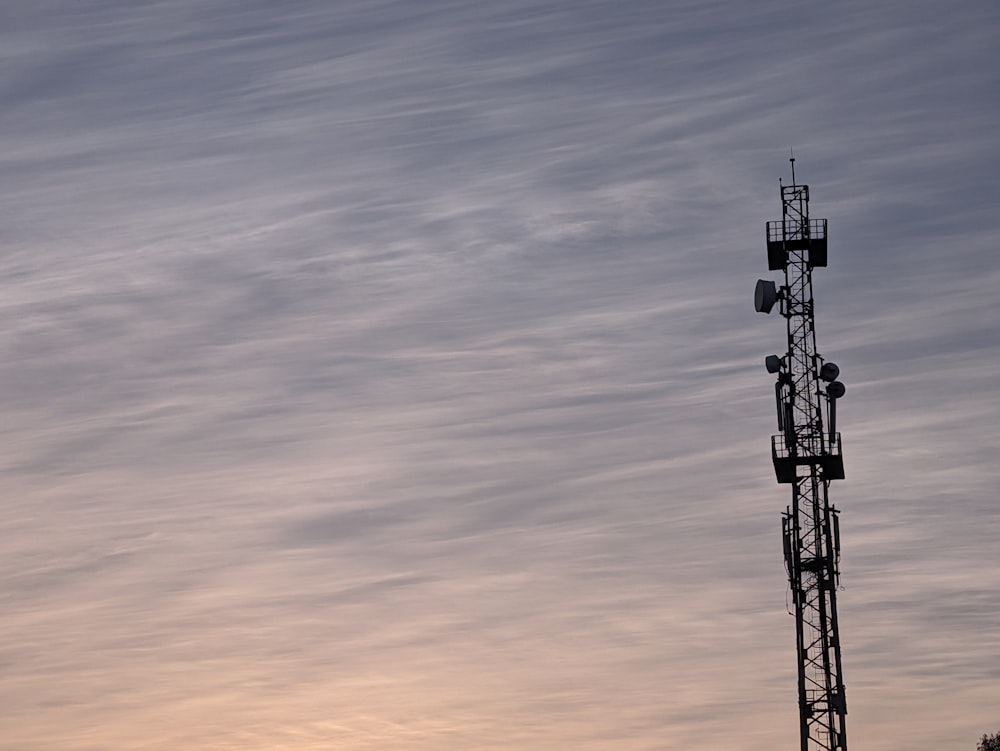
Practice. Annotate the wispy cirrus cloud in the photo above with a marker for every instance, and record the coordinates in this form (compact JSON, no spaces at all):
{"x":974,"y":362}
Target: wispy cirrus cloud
{"x":384,"y":376}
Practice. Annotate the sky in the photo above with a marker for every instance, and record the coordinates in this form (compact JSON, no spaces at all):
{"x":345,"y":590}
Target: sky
{"x":385,"y":375}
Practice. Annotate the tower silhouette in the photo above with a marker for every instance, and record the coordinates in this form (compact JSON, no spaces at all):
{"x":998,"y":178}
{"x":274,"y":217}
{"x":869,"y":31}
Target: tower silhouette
{"x":807,"y":455}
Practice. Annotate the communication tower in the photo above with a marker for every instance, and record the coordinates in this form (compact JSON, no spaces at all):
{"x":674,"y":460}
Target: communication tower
{"x":807,"y":456}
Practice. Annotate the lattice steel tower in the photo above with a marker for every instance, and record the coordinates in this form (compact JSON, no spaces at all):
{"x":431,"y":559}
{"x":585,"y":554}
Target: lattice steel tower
{"x":806,"y":453}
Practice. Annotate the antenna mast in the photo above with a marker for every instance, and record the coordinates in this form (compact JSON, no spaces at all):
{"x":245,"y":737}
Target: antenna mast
{"x":807,"y":455}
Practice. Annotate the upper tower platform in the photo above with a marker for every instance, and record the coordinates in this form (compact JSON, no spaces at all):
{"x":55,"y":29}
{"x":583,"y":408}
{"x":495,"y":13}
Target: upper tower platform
{"x":793,"y":234}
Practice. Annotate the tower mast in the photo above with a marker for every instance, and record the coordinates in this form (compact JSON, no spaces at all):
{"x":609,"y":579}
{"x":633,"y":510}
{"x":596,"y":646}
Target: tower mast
{"x":807,"y":455}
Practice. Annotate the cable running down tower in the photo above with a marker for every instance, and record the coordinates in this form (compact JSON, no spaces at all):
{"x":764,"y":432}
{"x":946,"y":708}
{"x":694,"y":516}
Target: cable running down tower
{"x":807,"y":455}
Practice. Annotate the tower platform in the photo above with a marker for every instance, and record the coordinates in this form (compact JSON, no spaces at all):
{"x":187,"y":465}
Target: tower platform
{"x":828,"y":457}
{"x":784,"y":236}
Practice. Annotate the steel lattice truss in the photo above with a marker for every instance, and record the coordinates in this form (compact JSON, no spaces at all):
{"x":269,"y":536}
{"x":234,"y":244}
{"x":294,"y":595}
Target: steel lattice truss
{"x":808,"y":457}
